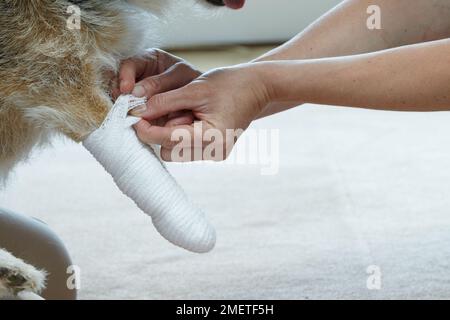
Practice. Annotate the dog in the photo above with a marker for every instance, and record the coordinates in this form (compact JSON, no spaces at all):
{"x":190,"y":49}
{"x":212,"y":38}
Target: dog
{"x":58,"y":59}
{"x":56,"y":62}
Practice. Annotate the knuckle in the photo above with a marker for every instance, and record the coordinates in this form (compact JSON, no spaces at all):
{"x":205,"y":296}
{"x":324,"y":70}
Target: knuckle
{"x":158,"y":100}
{"x":151,"y":54}
{"x":142,"y":135}
{"x":152,"y":84}
{"x":182,"y":66}
{"x":179,"y":66}
{"x":188,"y":68}
{"x":153,"y":51}
{"x":169,"y":143}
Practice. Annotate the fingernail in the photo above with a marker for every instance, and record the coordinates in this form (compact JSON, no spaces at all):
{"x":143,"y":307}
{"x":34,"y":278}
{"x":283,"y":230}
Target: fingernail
{"x":138,"y":91}
{"x":139,"y":111}
{"x":123,"y":85}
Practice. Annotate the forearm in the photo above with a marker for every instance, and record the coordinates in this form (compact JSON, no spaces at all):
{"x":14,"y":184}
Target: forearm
{"x":343,"y":30}
{"x":410,"y":78}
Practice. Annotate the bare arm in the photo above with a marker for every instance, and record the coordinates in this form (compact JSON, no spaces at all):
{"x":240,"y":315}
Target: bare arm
{"x":408,"y":78}
{"x":343,"y":31}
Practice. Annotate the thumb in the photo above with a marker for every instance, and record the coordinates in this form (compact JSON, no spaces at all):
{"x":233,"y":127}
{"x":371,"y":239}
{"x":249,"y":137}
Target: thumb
{"x":175,"y":77}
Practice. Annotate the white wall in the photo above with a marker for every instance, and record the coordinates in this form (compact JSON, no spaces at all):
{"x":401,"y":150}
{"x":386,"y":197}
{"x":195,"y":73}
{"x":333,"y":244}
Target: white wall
{"x":260,"y":21}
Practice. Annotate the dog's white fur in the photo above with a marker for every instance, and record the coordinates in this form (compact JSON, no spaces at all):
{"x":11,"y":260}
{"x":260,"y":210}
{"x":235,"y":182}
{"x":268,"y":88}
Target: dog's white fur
{"x":16,"y":276}
{"x":47,"y":87}
{"x":43,"y":63}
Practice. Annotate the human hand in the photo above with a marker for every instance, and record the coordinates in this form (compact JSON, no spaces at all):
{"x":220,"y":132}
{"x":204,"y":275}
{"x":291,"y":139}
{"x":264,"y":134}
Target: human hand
{"x":224,"y":101}
{"x":155,"y":72}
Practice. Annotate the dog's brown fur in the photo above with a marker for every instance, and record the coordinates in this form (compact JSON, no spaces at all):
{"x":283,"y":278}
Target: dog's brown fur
{"x":56,"y":79}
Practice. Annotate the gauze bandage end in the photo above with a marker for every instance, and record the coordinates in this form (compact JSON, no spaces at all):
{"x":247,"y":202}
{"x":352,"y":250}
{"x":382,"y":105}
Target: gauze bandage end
{"x":140,"y":175}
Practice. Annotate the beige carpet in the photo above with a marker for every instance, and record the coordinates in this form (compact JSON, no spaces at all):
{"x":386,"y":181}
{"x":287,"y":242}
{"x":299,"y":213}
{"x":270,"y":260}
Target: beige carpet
{"x":355,"y":188}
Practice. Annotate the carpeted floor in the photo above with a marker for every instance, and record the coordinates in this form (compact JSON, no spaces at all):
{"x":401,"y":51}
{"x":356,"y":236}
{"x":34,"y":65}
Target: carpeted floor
{"x":355,"y":188}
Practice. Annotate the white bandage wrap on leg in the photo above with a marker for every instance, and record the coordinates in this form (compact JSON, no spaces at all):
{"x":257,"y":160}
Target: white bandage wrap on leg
{"x":139,"y":174}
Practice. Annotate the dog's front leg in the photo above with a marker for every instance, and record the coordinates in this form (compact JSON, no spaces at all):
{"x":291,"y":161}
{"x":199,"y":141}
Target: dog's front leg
{"x":140,"y":175}
{"x":17,"y":138}
{"x":105,"y":129}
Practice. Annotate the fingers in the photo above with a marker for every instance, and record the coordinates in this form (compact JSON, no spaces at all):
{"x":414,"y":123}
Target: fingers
{"x":180,"y":118}
{"x":175,"y":138}
{"x":115,"y":93}
{"x":165,"y":71}
{"x":167,"y":137}
{"x":186,"y":98}
{"x":182,"y":155}
{"x":175,"y":77}
{"x":183,"y":143}
{"x":127,"y":75}
{"x":133,"y":69}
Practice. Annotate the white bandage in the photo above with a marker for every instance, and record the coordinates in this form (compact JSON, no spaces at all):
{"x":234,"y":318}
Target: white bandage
{"x":139,"y":174}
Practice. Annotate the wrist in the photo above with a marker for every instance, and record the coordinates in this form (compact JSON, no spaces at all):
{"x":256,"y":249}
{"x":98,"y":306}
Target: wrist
{"x":280,"y":81}
{"x":265,"y":86}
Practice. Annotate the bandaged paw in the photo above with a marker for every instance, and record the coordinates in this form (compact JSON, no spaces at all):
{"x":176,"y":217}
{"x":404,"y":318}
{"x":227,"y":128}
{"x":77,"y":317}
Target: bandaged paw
{"x":139,"y":174}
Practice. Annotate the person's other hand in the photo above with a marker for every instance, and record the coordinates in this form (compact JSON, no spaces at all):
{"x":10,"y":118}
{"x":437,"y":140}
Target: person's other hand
{"x":155,"y":72}
{"x":221,"y":100}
